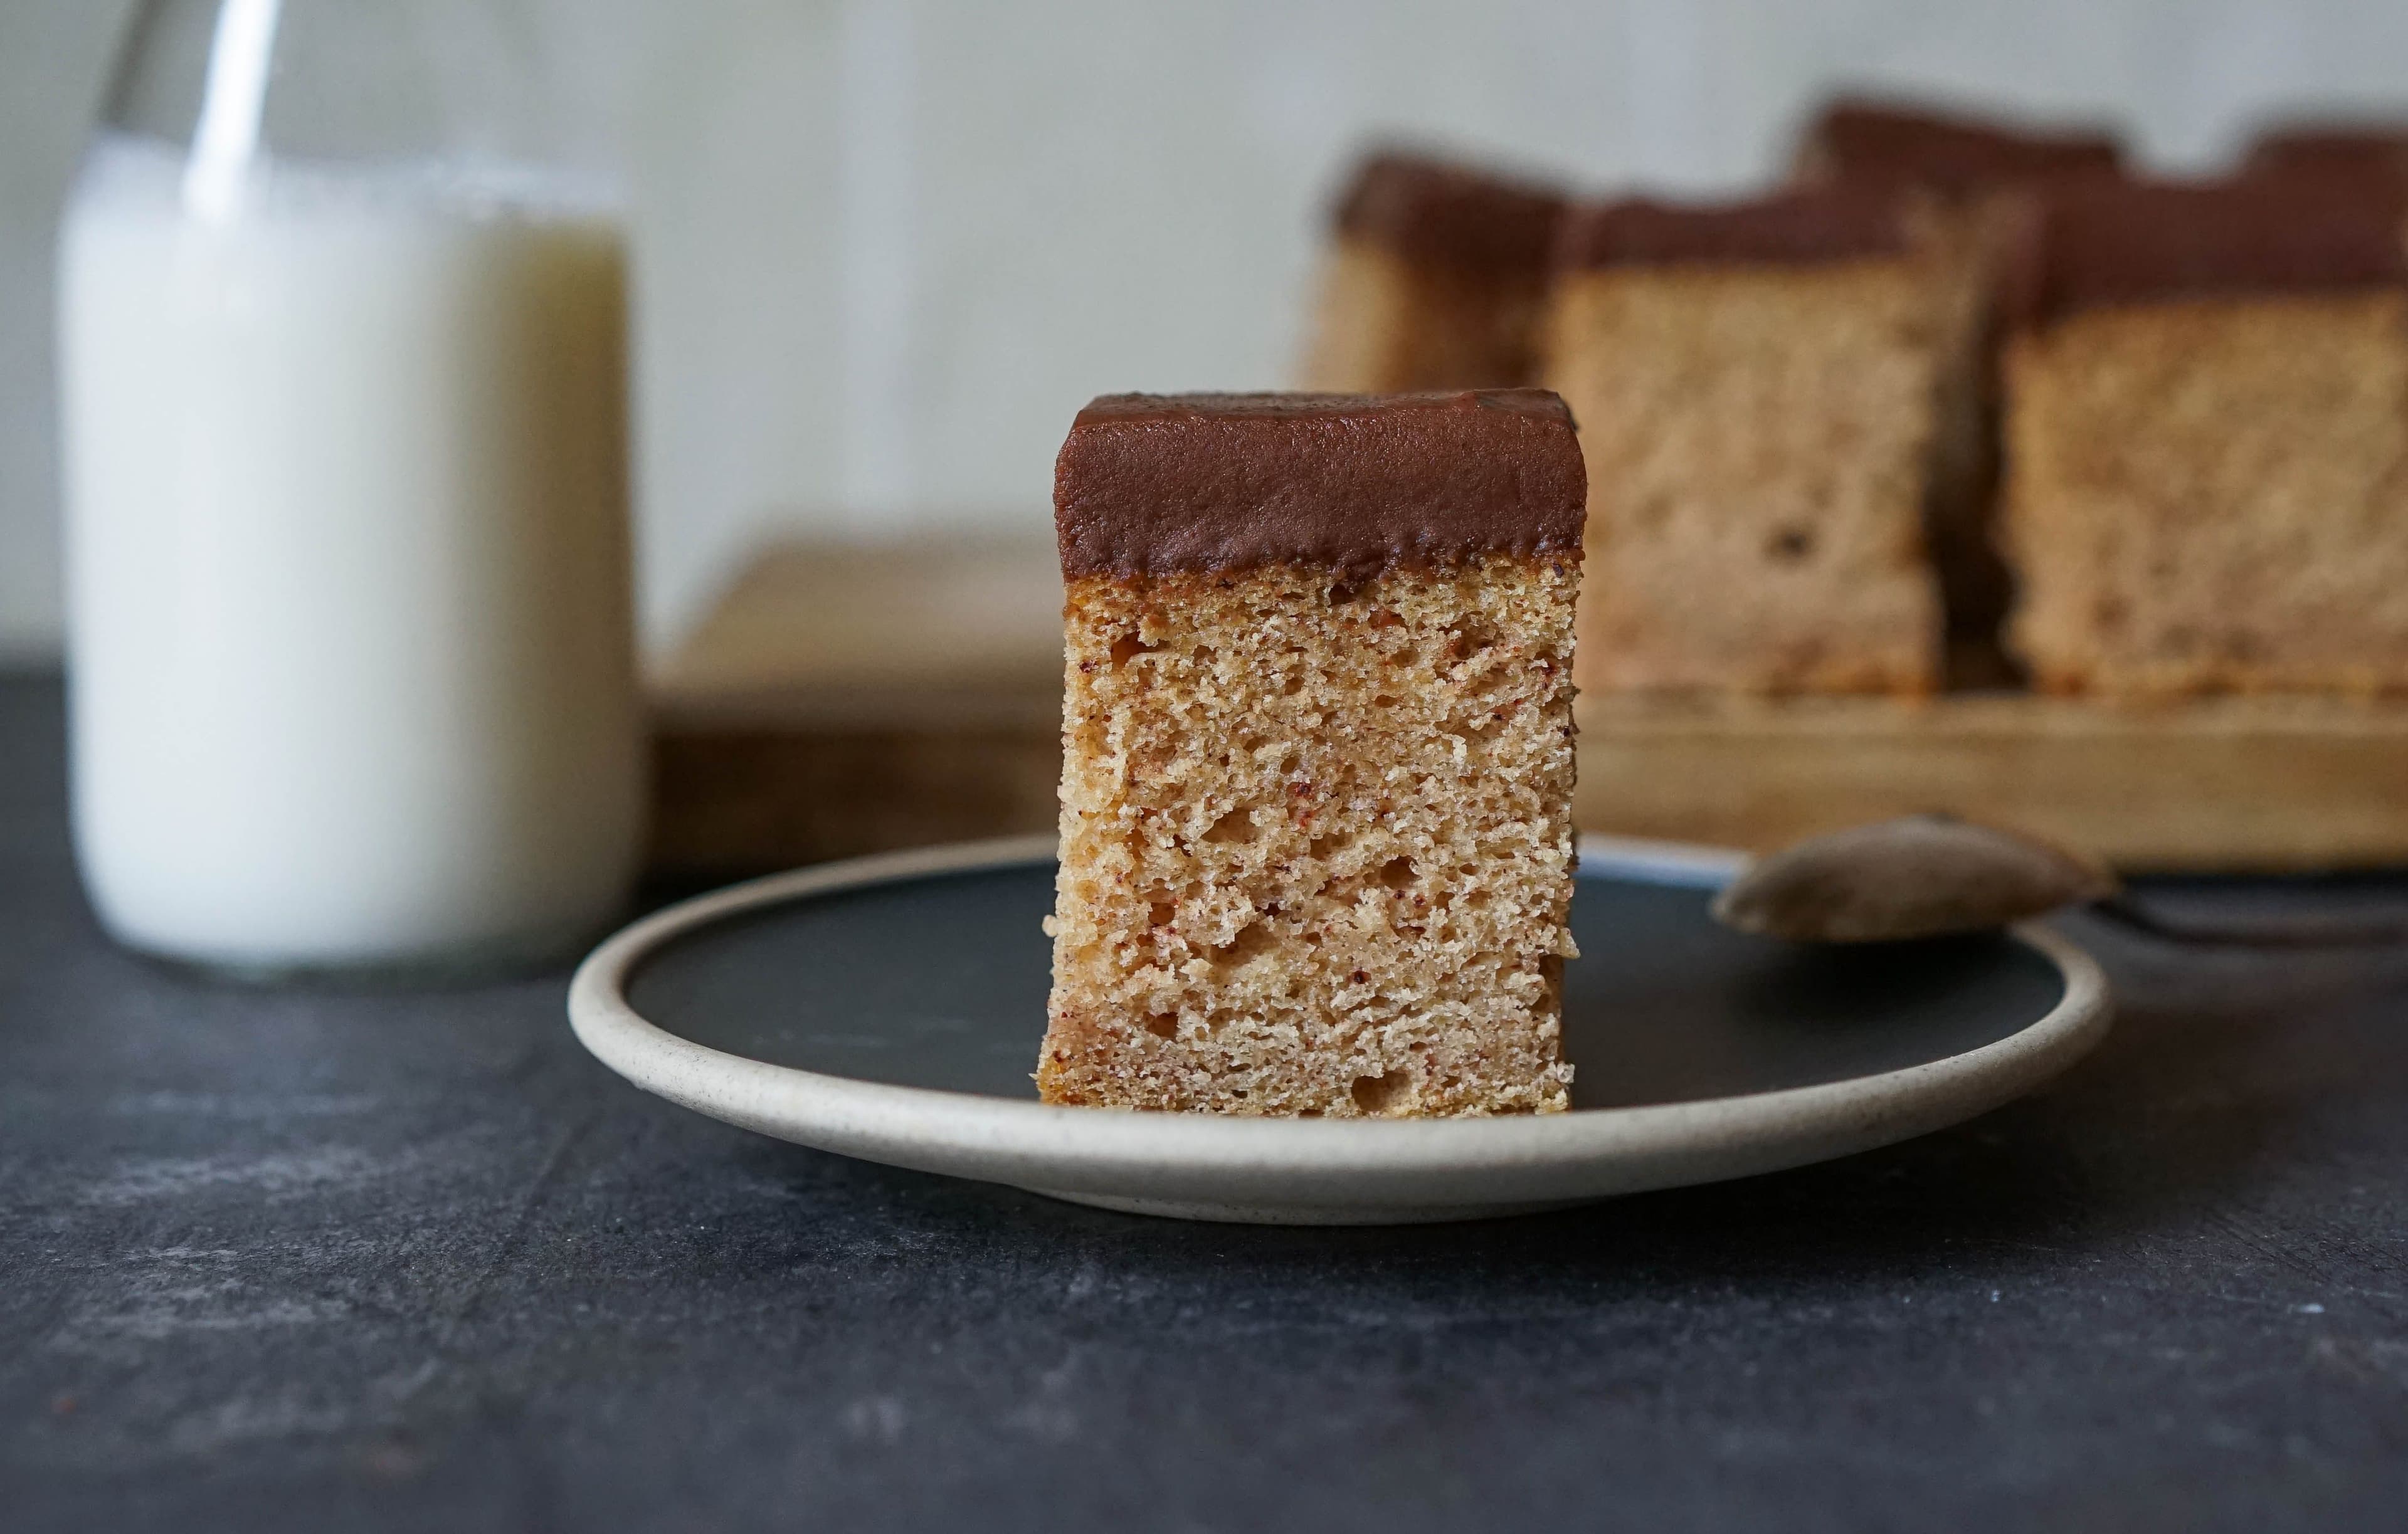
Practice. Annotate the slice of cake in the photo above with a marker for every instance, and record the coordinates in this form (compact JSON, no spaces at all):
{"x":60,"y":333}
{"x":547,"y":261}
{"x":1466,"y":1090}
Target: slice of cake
{"x":2207,"y":439}
{"x":1969,"y":177}
{"x":1759,"y":388}
{"x":1317,"y":753}
{"x":1433,"y":280}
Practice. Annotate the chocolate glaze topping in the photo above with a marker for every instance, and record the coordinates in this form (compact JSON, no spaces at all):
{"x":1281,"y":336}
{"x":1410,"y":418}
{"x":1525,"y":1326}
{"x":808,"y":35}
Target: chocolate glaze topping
{"x":1793,"y":228}
{"x":1449,"y":214}
{"x":1156,"y":484}
{"x":2103,"y":244}
{"x":2332,"y":149}
{"x":1895,"y":144}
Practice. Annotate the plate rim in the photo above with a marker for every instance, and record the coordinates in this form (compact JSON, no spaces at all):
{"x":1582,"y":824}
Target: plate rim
{"x":1205,"y":1160}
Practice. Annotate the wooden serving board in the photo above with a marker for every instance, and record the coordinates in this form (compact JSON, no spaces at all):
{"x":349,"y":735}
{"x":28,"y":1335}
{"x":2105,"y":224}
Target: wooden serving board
{"x":847,"y":700}
{"x":2222,"y":785}
{"x":842,"y":700}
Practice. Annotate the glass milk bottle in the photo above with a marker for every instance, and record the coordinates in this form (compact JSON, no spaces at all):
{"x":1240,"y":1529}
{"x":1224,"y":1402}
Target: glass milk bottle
{"x":342,"y":344}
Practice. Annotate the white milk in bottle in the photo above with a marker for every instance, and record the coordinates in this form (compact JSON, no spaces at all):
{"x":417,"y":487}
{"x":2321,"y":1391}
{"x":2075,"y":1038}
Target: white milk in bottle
{"x":347,"y":567}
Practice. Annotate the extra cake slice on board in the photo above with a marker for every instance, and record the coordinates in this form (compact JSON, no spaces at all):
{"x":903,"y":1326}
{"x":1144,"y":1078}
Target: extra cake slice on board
{"x":1970,"y":180}
{"x":2207,"y":438}
{"x":1760,"y":387}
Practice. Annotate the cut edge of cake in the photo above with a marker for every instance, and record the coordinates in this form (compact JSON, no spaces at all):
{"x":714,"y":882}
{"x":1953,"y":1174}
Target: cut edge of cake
{"x":1316,"y":846}
{"x":2234,"y":542}
{"x":1714,"y":355}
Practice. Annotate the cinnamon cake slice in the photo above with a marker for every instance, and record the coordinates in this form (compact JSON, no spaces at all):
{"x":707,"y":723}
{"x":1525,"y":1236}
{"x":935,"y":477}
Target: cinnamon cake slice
{"x":1760,"y":387}
{"x":1970,"y":179}
{"x":2207,"y":438}
{"x":1434,"y":278}
{"x":1316,"y":840}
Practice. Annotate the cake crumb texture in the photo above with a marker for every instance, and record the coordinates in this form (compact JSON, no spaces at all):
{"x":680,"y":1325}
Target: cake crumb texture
{"x":2211,"y":495}
{"x":1760,"y":442}
{"x":1316,"y":844}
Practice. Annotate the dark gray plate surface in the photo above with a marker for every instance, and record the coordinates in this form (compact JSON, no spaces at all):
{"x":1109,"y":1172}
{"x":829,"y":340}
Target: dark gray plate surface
{"x":940,"y":981}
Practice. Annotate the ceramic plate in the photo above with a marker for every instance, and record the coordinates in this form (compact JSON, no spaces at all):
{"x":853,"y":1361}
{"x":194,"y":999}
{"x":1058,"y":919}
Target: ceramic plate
{"x":891,"y":1007}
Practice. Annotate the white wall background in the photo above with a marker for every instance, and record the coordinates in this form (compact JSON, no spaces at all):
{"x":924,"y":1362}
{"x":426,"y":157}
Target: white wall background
{"x":885,"y":247}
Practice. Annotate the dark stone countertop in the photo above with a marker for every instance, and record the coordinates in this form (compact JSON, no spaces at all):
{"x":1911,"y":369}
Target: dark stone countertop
{"x":276,"y":1262}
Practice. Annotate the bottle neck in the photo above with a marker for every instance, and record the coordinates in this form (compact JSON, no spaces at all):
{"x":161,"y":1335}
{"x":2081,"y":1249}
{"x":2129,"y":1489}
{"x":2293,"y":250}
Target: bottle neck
{"x":233,"y":82}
